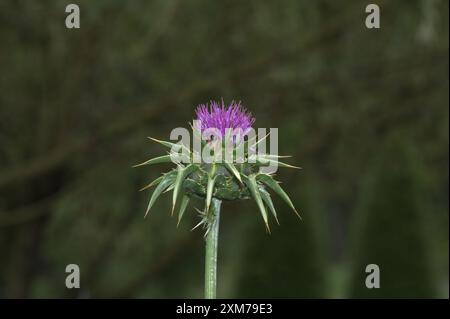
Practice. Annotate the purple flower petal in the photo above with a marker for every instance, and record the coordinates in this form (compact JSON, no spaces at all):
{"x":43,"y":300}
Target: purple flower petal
{"x":221,"y":117}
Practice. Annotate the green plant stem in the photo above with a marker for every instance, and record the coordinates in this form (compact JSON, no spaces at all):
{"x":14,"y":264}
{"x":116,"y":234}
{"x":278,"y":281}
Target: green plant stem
{"x":211,"y":250}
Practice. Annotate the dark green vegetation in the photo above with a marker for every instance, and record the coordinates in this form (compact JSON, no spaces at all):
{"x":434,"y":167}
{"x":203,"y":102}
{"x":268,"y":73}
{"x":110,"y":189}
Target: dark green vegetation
{"x":76,"y":107}
{"x":390,"y":231}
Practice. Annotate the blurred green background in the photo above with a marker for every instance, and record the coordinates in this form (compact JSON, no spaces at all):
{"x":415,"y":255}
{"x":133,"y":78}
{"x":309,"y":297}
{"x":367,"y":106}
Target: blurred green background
{"x":364,"y":112}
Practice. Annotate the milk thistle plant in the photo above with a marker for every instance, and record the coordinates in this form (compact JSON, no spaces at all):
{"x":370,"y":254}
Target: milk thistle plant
{"x":222,"y":165}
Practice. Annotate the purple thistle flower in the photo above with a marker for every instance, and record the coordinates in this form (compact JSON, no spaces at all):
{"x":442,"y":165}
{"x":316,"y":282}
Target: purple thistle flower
{"x":222,"y":117}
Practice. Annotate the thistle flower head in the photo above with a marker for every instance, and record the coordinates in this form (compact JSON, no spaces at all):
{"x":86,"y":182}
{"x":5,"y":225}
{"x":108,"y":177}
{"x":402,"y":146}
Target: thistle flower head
{"x":221,"y":117}
{"x":221,"y":179}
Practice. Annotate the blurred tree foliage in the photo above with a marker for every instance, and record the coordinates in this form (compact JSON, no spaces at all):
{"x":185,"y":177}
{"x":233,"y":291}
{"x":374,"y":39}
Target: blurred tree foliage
{"x":291,"y":262}
{"x":389,"y":231}
{"x":76,"y":106}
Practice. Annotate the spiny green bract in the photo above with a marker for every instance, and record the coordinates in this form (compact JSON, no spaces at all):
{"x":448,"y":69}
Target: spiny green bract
{"x":222,"y":180}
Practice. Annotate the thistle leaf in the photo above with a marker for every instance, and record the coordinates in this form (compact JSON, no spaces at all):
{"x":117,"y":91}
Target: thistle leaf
{"x":174,"y":146}
{"x":171,"y":187}
{"x":156,"y":160}
{"x":153,"y":183}
{"x":273,"y":184}
{"x":233,"y":170}
{"x":281,"y":164}
{"x":166,"y":181}
{"x":251,"y":183}
{"x":268,"y":201}
{"x":182,"y":173}
{"x":262,"y":160}
{"x":273,"y":156}
{"x":260,"y":140}
{"x":183,"y":206}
